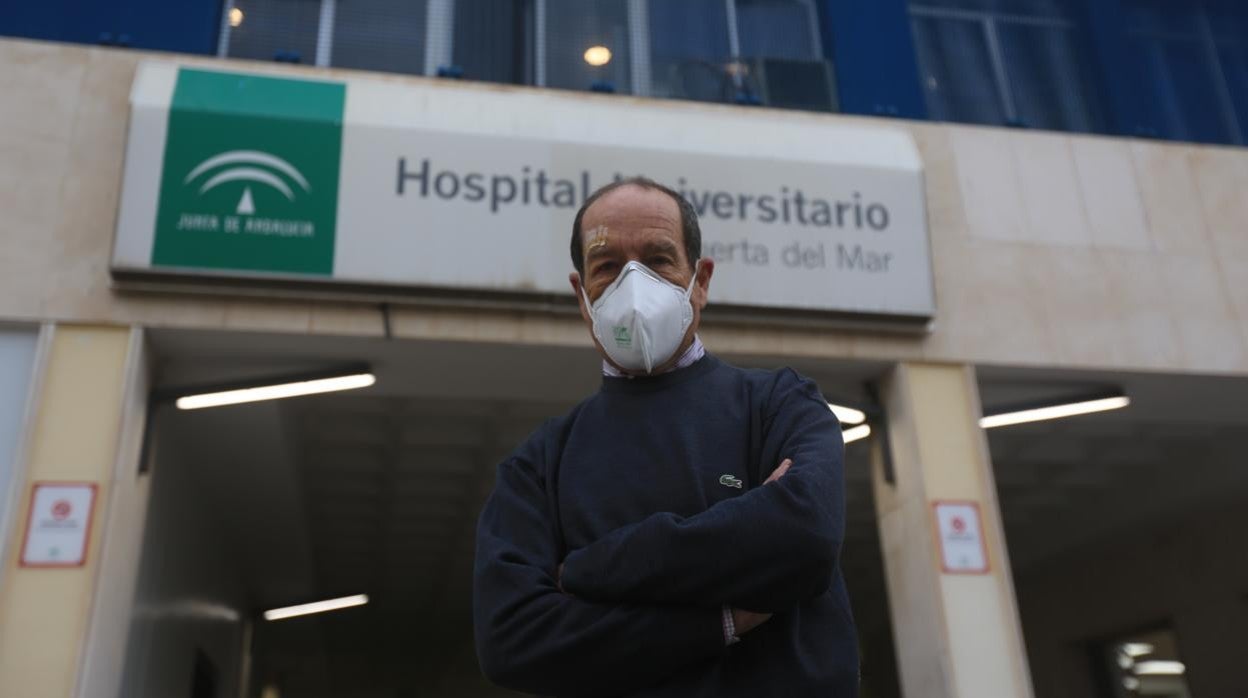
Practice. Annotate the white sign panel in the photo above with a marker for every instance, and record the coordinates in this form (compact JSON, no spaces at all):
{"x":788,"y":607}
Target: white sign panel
{"x":962,"y":548}
{"x":473,"y":189}
{"x":59,"y":525}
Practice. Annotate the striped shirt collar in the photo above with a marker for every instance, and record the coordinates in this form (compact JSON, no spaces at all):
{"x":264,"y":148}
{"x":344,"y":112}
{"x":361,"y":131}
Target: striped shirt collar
{"x":687,"y":359}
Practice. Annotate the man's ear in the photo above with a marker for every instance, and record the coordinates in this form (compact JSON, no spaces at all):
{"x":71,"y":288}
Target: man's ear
{"x":575,"y":279}
{"x":702,"y":282}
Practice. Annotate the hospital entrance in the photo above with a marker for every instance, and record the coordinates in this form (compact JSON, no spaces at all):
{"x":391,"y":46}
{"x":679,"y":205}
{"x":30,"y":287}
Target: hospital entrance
{"x":366,"y":499}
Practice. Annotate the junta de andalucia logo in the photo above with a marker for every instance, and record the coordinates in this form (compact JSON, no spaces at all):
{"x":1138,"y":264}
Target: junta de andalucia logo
{"x":250,"y":174}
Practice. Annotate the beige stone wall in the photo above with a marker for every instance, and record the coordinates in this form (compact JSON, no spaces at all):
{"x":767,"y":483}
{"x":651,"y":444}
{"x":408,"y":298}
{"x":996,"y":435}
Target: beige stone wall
{"x":1049,"y":249}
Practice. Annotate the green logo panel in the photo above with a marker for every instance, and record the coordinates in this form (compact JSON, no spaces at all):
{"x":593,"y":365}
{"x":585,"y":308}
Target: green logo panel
{"x":250,"y":174}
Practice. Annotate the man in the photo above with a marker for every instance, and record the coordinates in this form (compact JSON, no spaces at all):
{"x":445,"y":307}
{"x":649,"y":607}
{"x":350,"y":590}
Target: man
{"x":677,"y":533}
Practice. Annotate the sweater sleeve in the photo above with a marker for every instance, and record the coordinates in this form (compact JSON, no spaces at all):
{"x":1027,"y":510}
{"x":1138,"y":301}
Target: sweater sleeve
{"x":532,"y":637}
{"x":765,"y":550}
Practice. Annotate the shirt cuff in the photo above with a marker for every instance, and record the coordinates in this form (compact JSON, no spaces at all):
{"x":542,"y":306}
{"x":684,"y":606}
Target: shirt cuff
{"x":730,"y":628}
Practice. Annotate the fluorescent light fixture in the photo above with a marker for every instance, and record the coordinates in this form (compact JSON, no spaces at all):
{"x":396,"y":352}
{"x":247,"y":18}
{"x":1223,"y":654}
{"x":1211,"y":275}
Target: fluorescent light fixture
{"x":853,"y":434}
{"x":276,"y":392}
{"x":1159,"y":667}
{"x":316,"y":607}
{"x":848,"y":415}
{"x":1039,"y":414}
{"x":1137,"y":649}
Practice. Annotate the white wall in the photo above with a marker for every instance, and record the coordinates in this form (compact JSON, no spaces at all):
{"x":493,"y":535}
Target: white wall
{"x":1192,"y":573}
{"x":17,"y":359}
{"x":190,"y":592}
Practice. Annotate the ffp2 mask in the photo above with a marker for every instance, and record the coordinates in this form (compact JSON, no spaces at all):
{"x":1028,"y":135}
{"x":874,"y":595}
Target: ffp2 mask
{"x":641,"y":318}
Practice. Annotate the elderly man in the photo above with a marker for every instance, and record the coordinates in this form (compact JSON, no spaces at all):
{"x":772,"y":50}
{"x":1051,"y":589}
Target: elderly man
{"x":678,"y":532}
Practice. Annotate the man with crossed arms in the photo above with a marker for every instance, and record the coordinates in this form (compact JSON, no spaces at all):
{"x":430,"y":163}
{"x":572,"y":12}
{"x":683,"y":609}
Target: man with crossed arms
{"x":678,"y":532}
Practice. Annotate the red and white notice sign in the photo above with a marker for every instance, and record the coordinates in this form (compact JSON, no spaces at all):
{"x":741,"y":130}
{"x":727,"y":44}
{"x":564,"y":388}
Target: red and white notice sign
{"x":962,"y":549}
{"x":59,"y":525}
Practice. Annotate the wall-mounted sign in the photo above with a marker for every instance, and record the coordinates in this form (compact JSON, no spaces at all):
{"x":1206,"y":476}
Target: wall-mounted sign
{"x":962,"y":549}
{"x":380,"y":185}
{"x":59,"y":526}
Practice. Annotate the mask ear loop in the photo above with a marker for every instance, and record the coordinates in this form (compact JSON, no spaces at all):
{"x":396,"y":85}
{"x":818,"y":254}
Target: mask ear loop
{"x":692,"y":282}
{"x":589,"y":307}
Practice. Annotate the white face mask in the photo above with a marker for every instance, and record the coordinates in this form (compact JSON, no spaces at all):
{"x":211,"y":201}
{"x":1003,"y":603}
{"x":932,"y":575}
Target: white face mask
{"x":641,"y":318}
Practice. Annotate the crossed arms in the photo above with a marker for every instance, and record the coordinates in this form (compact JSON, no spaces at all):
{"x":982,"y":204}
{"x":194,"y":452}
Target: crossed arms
{"x":647,"y":599}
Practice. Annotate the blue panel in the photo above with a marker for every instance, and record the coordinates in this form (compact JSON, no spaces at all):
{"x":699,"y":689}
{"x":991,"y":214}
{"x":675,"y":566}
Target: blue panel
{"x":188,"y":26}
{"x":57,"y":20}
{"x":872,"y":49}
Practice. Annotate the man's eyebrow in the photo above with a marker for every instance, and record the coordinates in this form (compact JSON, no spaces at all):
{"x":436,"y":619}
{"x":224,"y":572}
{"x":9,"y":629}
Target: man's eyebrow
{"x":597,"y":251}
{"x":662,"y":245}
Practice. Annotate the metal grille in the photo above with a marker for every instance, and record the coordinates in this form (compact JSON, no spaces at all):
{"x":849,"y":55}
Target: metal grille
{"x":272,"y":29}
{"x":385,"y":35}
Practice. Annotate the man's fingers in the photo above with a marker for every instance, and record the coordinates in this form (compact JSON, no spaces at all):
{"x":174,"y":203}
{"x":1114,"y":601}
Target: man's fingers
{"x":744,"y":621}
{"x":779,"y":472}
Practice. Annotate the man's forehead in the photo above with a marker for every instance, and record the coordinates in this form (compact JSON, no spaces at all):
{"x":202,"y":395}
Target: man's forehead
{"x":633,"y":204}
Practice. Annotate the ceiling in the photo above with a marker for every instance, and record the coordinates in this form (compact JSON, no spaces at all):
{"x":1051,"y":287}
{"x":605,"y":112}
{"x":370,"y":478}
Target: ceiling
{"x":1083,"y":481}
{"x":377,"y":490}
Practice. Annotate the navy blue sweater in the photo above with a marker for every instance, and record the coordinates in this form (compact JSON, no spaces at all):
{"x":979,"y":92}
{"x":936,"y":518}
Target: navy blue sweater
{"x":651,"y":493}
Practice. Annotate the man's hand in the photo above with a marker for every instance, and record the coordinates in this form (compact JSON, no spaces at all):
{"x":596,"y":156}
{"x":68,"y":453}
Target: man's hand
{"x":744,"y":621}
{"x":779,"y":471}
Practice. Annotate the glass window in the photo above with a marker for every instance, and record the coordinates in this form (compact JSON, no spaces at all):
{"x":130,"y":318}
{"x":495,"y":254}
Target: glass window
{"x":957,"y":70}
{"x":1004,"y":62}
{"x":17,"y":359}
{"x":1194,"y":55}
{"x":1046,"y":78}
{"x":492,"y":40}
{"x":743,"y":50}
{"x":385,"y":35}
{"x":274,"y":29}
{"x":573,"y":28}
{"x":690,"y":49}
{"x":776,"y":29}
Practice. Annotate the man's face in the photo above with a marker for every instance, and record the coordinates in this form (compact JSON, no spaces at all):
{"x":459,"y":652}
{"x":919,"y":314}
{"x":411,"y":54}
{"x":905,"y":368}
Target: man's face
{"x":642,"y":225}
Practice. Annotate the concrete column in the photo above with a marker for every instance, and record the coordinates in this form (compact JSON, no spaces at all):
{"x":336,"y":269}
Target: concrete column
{"x":78,"y":412}
{"x":956,"y":635}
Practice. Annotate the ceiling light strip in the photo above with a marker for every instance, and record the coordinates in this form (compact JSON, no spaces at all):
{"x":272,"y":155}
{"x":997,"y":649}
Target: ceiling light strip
{"x":276,"y":392}
{"x":1039,"y":414}
{"x":847,"y":415}
{"x":316,"y":607}
{"x":853,"y":434}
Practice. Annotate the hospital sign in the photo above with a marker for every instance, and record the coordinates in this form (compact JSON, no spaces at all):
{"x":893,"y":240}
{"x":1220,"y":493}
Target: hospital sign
{"x":446,"y":188}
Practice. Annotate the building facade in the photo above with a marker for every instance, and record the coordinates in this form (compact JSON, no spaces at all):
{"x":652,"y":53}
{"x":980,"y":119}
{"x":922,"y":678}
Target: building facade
{"x":975,"y":209}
